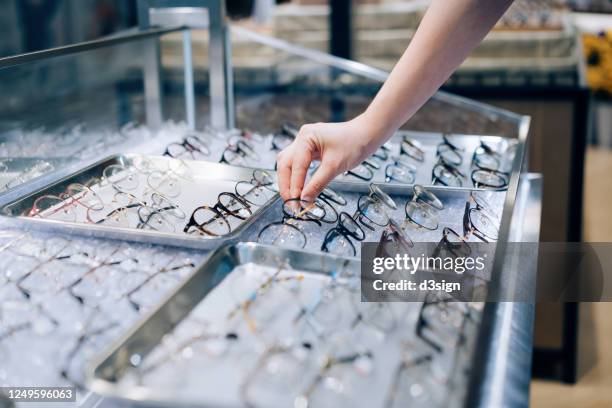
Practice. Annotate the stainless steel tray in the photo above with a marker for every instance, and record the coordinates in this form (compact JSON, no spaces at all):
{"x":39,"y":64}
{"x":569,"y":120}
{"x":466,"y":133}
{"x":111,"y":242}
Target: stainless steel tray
{"x":206,"y":294}
{"x":429,"y":142}
{"x":206,"y":182}
{"x":105,"y":375}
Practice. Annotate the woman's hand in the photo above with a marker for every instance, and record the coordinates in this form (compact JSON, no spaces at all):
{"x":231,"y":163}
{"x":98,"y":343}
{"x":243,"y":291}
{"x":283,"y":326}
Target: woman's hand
{"x":339,"y":147}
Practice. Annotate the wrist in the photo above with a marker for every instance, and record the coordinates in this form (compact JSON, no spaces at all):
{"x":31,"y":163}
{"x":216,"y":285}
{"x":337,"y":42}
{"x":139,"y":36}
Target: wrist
{"x":375,"y":129}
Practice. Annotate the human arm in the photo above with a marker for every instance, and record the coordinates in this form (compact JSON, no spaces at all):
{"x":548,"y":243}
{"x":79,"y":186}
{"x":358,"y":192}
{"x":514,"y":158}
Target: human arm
{"x":448,"y":32}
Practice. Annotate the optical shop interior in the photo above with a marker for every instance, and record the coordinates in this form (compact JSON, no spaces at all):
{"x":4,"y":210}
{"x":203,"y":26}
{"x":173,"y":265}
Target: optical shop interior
{"x":227,"y":203}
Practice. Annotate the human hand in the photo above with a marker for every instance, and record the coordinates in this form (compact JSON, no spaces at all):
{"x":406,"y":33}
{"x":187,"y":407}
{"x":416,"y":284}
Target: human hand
{"x":339,"y":147}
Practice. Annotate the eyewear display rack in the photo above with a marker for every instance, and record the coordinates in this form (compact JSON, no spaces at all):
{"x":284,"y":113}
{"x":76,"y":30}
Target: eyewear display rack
{"x":500,"y":370}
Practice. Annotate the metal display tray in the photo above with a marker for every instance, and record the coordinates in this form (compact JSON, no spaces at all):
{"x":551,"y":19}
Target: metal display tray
{"x":208,"y":180}
{"x":429,"y":142}
{"x":110,"y":377}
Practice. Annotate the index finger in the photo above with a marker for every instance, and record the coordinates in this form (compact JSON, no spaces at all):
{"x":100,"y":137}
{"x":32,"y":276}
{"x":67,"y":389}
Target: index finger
{"x":283,"y":171}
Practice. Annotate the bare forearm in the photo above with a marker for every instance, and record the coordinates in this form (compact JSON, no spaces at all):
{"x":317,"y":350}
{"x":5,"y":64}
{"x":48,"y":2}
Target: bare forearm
{"x":447,"y":34}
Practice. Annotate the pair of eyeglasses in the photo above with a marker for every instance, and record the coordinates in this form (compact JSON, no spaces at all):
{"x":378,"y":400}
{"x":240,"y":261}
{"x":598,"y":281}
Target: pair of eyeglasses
{"x":441,"y":321}
{"x":259,"y":190}
{"x":64,"y":206}
{"x":253,"y":308}
{"x":362,"y":172}
{"x":371,"y":208}
{"x":193,"y":146}
{"x":214,"y":220}
{"x":88,"y":334}
{"x":449,"y":152}
{"x":394,"y":240}
{"x":127,"y":178}
{"x":285,"y":137}
{"x":421,"y":210}
{"x":446,"y":174}
{"x":400,"y":170}
{"x":338,"y":240}
{"x":479,"y":221}
{"x":161,"y":214}
{"x":290,"y":361}
{"x":407,"y":386}
{"x":169,"y":268}
{"x":341,"y":366}
{"x":239,"y":152}
{"x":413,"y":149}
{"x":287,"y":232}
{"x":453,"y":244}
{"x":489,"y":178}
{"x":486,"y":157}
{"x":488,"y":165}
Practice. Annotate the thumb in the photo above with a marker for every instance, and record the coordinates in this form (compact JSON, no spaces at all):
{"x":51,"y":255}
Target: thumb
{"x":324,"y":174}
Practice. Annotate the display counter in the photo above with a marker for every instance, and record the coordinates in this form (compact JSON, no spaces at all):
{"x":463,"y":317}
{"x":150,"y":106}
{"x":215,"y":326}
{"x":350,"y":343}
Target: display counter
{"x":102,"y":271}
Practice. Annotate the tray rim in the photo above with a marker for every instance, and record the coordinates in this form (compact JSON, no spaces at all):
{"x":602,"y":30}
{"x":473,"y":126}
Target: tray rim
{"x":126,"y":234}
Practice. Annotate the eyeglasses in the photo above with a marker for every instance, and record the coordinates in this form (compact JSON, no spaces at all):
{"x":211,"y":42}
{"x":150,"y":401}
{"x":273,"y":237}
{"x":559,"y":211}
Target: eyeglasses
{"x":421,"y":210}
{"x":63,"y":206}
{"x":158,"y":215}
{"x":362,"y":172}
{"x":193,"y":145}
{"x":154,"y":207}
{"x":407,"y":386}
{"x":238,"y":152}
{"x":255,"y":192}
{"x":400,"y":170}
{"x":69,"y":298}
{"x":478,"y":222}
{"x":286,"y":136}
{"x":169,"y":268}
{"x":394,"y":239}
{"x":338,"y":239}
{"x":412,"y":149}
{"x":488,"y":163}
{"x":452,"y":243}
{"x":213,"y":220}
{"x":485,"y":157}
{"x":345,"y":368}
{"x":489,"y":178}
{"x":446,"y":174}
{"x":371,"y":208}
{"x":289,"y":231}
{"x":449,"y":152}
{"x":255,"y":311}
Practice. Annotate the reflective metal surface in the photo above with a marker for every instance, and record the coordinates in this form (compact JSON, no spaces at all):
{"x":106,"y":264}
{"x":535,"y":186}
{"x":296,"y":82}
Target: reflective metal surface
{"x":206,"y":174}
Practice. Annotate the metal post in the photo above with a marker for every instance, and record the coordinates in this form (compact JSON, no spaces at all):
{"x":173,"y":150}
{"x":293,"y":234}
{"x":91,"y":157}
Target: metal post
{"x":188,"y":13}
{"x":189,"y":85}
{"x":340,"y":34}
{"x":152,"y":72}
